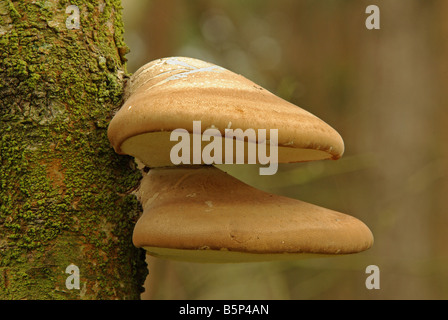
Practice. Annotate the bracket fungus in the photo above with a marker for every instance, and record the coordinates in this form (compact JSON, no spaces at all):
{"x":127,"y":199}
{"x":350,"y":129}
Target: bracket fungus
{"x":193,"y":211}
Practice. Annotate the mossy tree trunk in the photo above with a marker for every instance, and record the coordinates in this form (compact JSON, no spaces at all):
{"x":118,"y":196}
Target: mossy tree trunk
{"x":65,"y":196}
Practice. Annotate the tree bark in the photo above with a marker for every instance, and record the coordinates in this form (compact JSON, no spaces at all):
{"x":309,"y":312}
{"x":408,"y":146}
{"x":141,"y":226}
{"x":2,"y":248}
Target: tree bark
{"x":65,"y":196}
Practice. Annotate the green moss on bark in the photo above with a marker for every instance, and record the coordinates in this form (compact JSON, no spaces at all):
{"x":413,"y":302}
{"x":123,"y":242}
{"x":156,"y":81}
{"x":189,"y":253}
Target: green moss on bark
{"x":65,"y":196}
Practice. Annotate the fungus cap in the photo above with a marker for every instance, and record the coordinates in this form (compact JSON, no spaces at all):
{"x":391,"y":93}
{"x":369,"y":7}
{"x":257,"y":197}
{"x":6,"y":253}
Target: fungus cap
{"x":171,"y":93}
{"x":203,"y":214}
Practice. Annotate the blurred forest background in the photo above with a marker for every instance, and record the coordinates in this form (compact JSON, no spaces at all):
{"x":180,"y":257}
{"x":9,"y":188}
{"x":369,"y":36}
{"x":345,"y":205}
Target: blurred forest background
{"x":385,"y":92}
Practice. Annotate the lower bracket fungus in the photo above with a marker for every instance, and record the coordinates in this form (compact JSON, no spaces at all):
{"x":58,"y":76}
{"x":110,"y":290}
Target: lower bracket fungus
{"x":202,"y":214}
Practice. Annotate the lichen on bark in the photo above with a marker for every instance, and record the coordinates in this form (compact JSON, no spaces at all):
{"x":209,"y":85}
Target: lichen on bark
{"x":65,"y":196}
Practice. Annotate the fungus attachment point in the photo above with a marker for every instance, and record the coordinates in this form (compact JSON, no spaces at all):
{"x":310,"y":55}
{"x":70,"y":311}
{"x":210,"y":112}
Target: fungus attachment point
{"x":202,"y":214}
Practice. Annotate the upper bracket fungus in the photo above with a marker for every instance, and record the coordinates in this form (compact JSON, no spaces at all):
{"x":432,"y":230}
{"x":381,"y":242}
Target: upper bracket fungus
{"x":169,"y":94}
{"x":195,"y":212}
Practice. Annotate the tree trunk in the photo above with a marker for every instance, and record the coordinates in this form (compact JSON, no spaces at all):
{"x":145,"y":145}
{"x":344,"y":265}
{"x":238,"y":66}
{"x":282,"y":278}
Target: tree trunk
{"x":65,"y":196}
